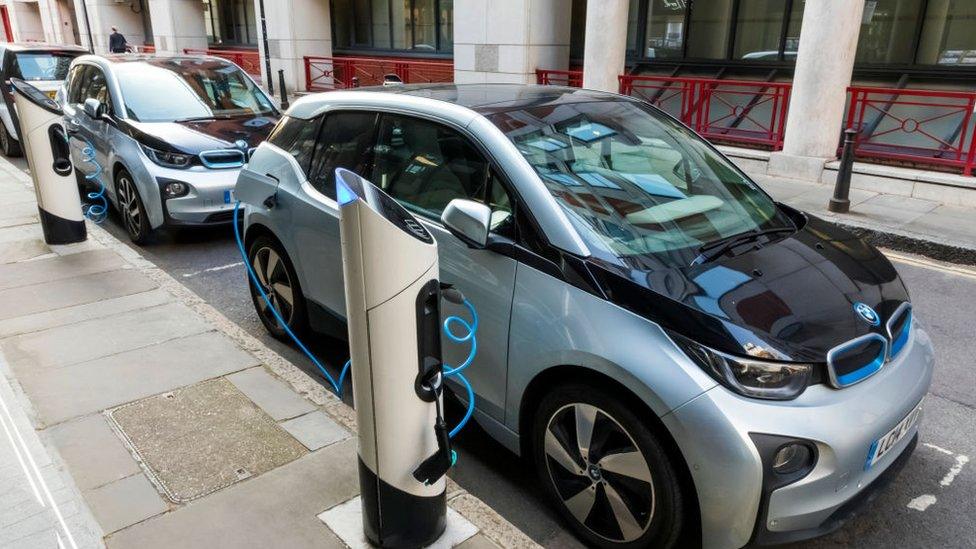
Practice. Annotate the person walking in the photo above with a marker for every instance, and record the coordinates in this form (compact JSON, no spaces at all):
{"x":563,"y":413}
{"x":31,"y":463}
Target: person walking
{"x":116,"y":42}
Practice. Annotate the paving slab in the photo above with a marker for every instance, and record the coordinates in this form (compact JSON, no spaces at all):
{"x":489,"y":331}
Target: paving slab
{"x":954,"y":222}
{"x":93,"y":453}
{"x":101,"y":337}
{"x":125,"y":502}
{"x":346,"y":520}
{"x":60,"y":394}
{"x":21,"y":232}
{"x":892,"y":210}
{"x":79,"y":313}
{"x":21,"y":250}
{"x":273,"y":396}
{"x":277,"y":509}
{"x":68,"y":292}
{"x":18,"y":211}
{"x":315,"y":430}
{"x":25,"y":273}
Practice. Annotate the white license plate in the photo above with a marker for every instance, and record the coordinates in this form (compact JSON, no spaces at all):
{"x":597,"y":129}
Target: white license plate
{"x":888,"y":441}
{"x":230,"y":197}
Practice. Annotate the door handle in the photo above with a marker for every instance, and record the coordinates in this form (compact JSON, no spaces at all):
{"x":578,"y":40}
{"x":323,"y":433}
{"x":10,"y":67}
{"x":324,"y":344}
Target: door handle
{"x":72,"y":126}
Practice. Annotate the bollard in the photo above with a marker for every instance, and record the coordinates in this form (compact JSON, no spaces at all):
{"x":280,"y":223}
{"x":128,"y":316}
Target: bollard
{"x":840,"y":202}
{"x":355,"y":82}
{"x":281,"y":88}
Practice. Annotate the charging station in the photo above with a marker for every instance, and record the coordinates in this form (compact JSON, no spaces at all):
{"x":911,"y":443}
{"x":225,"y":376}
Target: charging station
{"x":48,"y":154}
{"x":393,"y":310}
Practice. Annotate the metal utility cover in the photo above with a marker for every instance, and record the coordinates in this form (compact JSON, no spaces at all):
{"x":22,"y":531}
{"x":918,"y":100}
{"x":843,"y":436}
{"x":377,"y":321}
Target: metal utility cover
{"x":202,"y":438}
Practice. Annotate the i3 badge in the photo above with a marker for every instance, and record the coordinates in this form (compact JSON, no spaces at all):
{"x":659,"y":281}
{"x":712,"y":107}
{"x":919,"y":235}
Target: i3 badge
{"x":867,"y":314}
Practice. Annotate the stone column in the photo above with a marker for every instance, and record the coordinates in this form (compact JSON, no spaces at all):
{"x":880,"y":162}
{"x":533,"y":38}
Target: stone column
{"x":177,"y":25}
{"x":507,"y":40}
{"x":295,"y":29}
{"x":606,"y":44}
{"x":825,"y":61}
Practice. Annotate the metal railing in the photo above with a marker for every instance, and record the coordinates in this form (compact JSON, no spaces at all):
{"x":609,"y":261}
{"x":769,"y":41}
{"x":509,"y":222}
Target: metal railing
{"x":142,"y":48}
{"x":336,"y":73}
{"x":548,"y":77}
{"x":733,"y":111}
{"x":249,"y":60}
{"x":915,"y":126}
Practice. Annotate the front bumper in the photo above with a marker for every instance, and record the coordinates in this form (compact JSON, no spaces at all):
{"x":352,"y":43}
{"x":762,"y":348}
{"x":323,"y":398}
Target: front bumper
{"x":206,"y":203}
{"x":713,"y":430}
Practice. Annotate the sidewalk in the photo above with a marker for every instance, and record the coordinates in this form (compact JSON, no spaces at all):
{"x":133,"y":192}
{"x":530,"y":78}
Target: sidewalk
{"x":135,"y":415}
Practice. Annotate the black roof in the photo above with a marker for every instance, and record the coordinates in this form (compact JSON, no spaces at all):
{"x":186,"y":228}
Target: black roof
{"x":489,"y":98}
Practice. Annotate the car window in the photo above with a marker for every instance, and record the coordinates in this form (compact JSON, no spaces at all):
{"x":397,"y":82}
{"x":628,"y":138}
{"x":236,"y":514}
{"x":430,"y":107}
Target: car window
{"x":90,"y":84}
{"x":425,"y":165}
{"x":43,"y":65}
{"x":344,"y":142}
{"x":297,"y":136}
{"x":75,"y":78}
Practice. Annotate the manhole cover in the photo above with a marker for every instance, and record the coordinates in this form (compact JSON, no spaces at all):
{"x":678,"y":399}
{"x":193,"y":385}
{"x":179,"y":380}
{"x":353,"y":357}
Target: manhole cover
{"x":199,"y":439}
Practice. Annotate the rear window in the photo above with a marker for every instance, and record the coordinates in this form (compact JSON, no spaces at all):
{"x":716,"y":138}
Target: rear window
{"x":43,"y":65}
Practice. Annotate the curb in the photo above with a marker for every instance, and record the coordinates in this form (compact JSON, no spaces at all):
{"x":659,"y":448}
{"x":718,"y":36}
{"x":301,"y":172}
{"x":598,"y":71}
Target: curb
{"x":894,"y":239}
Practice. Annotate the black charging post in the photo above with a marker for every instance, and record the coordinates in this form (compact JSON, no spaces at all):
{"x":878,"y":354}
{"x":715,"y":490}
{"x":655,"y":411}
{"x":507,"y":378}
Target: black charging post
{"x":840,"y":202}
{"x":282,"y":90}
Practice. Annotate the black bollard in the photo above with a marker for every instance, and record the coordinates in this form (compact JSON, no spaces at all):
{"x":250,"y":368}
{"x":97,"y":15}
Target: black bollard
{"x":281,"y":88}
{"x":840,"y":202}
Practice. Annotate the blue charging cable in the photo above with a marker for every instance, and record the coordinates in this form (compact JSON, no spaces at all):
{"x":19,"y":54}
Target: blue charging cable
{"x":97,"y":210}
{"x":470,"y":329}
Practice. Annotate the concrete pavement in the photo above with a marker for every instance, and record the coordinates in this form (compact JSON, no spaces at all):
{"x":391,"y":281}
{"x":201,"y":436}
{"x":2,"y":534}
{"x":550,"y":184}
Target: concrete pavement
{"x":136,"y":415}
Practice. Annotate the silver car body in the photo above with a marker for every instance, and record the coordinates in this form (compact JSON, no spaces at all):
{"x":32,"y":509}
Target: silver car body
{"x":533,"y":324}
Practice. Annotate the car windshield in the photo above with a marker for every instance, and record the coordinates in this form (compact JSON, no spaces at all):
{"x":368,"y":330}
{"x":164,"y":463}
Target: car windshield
{"x":166,"y":90}
{"x":44,"y":65}
{"x":642,"y":190}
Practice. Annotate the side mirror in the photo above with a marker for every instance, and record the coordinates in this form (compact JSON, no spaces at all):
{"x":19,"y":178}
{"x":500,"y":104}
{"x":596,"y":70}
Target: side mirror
{"x":95,"y":109}
{"x":468,"y":221}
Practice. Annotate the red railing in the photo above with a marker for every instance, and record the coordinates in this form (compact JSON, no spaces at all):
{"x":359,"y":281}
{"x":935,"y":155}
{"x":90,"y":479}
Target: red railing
{"x":548,"y":77}
{"x":249,"y":60}
{"x":143,"y":48}
{"x":336,"y":73}
{"x":735,"y":111}
{"x":915,"y":126}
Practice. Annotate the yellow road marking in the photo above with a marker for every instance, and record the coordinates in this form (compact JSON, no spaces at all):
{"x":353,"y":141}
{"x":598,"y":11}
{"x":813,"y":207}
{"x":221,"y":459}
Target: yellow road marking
{"x":931,"y":264}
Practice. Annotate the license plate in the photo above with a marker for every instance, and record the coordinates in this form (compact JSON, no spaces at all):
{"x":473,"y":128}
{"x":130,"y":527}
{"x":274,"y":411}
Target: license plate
{"x":52,"y":94}
{"x":888,"y":441}
{"x":230,"y":197}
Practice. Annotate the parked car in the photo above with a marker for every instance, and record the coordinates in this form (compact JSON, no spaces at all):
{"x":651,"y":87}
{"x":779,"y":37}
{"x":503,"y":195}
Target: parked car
{"x":170,"y":134}
{"x":44,"y":66}
{"x":668,"y":345}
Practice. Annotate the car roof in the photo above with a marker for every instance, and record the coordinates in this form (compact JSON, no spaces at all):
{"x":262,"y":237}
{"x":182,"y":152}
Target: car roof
{"x":42,"y":46}
{"x":491,"y":98}
{"x":159,"y":60}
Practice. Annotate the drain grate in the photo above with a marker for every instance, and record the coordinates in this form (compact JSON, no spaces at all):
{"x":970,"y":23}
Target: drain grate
{"x":202,"y":438}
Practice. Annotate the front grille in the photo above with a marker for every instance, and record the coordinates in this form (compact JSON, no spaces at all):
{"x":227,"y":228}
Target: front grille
{"x":899,"y":326}
{"x":224,"y":158}
{"x":856,"y":360}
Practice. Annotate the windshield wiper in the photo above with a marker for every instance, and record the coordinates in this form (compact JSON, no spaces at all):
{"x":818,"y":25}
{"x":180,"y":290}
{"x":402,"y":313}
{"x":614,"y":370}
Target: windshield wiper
{"x":203,"y":118}
{"x":715,"y":249}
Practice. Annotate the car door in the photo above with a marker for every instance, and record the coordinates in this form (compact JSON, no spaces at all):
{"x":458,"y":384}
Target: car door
{"x":88,"y":83}
{"x":424,"y":165}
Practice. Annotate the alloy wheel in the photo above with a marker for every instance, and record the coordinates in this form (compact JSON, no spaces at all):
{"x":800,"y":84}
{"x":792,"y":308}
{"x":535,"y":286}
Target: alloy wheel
{"x":599,"y":472}
{"x":129,"y":202}
{"x":277,"y":285}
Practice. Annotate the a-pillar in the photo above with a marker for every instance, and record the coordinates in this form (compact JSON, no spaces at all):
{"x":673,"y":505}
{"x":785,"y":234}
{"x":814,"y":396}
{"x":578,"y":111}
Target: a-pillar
{"x":295,"y":29}
{"x":824,"y":64}
{"x":177,"y":25}
{"x":507,"y":40}
{"x":103,"y":15}
{"x":605,"y":48}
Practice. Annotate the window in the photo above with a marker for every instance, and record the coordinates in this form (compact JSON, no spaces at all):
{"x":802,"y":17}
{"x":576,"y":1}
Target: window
{"x":43,"y":65}
{"x":344,"y":142}
{"x":947,"y":33}
{"x":758,"y":28}
{"x":89,"y":82}
{"x":708,"y":36}
{"x":426,"y":165}
{"x":76,"y":78}
{"x":420,"y":25}
{"x":887,"y":28}
{"x":665,"y":28}
{"x":297,"y":136}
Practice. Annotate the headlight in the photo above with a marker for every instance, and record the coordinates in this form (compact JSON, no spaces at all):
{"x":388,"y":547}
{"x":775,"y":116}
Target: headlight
{"x":168,"y":159}
{"x":749,"y":377}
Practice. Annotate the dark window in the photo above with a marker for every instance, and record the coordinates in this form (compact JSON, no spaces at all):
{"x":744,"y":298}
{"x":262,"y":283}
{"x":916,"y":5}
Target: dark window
{"x":758,"y":29}
{"x":665,"y":29}
{"x":708,"y":36}
{"x":297,"y":136}
{"x":420,"y":25}
{"x":344,"y":142}
{"x":426,"y":165}
{"x":502,"y":208}
{"x":89,"y":82}
{"x":75,"y":79}
{"x":947,"y":33}
{"x":887,"y":28}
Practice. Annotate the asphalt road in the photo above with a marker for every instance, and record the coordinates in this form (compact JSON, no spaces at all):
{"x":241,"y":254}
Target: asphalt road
{"x":931,"y":504}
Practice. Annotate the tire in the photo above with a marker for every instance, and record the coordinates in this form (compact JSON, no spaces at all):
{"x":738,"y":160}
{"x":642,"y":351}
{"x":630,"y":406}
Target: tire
{"x":9,"y":145}
{"x":279,"y":280}
{"x":628,"y":501}
{"x":131,"y":208}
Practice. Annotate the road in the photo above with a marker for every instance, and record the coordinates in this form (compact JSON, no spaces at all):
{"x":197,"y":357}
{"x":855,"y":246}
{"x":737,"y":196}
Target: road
{"x":931,"y":504}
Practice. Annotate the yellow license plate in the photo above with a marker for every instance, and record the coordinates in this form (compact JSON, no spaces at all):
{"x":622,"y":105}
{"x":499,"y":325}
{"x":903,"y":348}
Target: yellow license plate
{"x":51,"y":94}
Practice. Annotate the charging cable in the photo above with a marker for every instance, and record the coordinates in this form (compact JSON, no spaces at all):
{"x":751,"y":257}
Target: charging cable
{"x":97,"y":208}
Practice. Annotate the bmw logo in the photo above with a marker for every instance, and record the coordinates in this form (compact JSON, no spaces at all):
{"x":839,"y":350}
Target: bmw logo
{"x":241,"y":144}
{"x":867,"y":314}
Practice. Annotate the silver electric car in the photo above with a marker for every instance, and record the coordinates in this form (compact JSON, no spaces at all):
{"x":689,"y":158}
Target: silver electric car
{"x":168,"y":135}
{"x":680,"y":357}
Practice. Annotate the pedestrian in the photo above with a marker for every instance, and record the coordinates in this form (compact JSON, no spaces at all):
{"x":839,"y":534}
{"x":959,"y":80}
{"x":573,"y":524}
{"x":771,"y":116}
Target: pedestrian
{"x":116,"y":42}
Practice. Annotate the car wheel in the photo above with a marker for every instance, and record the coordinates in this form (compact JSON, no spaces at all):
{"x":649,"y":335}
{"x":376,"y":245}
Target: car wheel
{"x":9,"y":145}
{"x":131,"y":208}
{"x":279,"y":281}
{"x":605,"y":470}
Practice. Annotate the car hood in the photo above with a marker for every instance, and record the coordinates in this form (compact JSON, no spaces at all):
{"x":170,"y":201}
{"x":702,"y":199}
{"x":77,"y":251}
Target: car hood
{"x":792,"y":299}
{"x":193,"y":137}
